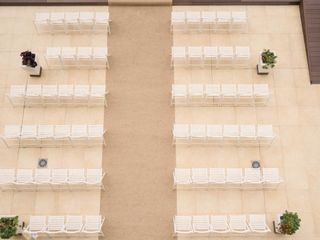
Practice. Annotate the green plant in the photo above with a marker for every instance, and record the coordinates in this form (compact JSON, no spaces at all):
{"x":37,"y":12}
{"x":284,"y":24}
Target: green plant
{"x":289,"y":223}
{"x":8,"y":227}
{"x":268,"y":58}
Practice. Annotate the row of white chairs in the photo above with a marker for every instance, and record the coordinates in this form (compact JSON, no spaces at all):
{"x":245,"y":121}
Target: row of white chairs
{"x":220,"y":94}
{"x":218,"y":21}
{"x":223,"y":56}
{"x":57,"y":95}
{"x":233,"y":134}
{"x":46,"y":179}
{"x":77,"y":57}
{"x":72,"y":22}
{"x":70,"y":225}
{"x":221,"y":224}
{"x":54,"y":135}
{"x":227,"y":177}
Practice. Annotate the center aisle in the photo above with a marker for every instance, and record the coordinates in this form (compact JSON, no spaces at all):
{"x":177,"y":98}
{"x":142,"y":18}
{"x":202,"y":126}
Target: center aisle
{"x":139,"y":157}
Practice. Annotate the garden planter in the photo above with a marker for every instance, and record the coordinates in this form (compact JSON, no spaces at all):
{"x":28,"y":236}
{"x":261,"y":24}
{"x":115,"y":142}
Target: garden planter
{"x":261,"y":65}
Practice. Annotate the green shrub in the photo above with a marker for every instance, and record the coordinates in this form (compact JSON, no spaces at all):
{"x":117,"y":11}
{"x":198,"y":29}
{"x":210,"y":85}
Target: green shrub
{"x":268,"y":58}
{"x":8,"y":227}
{"x":290,"y":223}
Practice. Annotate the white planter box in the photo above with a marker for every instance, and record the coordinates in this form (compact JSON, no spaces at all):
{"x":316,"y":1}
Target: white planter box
{"x":260,"y":66}
{"x":33,"y":72}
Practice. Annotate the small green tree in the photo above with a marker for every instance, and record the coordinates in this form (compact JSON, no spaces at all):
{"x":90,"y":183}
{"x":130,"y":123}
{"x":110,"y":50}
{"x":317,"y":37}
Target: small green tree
{"x":290,"y":223}
{"x":8,"y":227}
{"x":268,"y":58}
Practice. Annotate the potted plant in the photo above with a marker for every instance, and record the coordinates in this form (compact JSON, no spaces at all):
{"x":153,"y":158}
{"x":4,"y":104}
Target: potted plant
{"x":287,"y":223}
{"x":266,"y":62}
{"x":8,"y":227}
{"x":29,"y":64}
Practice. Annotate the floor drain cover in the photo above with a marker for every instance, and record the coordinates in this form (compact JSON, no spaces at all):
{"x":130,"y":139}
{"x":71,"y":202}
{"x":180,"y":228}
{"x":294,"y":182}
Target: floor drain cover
{"x":42,"y":163}
{"x":255,"y":164}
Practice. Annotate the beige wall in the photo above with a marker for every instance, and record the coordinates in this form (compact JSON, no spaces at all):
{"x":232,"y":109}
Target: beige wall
{"x":140,"y":2}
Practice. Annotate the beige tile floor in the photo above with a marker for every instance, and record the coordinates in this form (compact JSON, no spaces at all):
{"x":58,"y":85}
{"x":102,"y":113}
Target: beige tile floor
{"x":293,"y":110}
{"x":17,"y":33}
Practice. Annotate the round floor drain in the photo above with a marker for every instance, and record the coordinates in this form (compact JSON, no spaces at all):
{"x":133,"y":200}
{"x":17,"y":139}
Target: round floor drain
{"x":42,"y":163}
{"x":255,"y":164}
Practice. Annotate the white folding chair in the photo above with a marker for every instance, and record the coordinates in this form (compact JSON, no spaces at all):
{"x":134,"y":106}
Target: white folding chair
{"x":201,"y":224}
{"x":7,"y":178}
{"x":231,"y":133}
{"x":100,"y":57}
{"x":219,"y":224}
{"x":94,"y":177}
{"x":214,"y":133}
{"x":53,"y":57}
{"x":79,"y":134}
{"x":45,"y":135}
{"x":41,"y":22}
{"x":59,"y":178}
{"x":57,"y":23}
{"x":178,"y":56}
{"x":223,"y":21}
{"x":55,"y":225}
{"x":245,"y":94}
{"x":200,"y":176}
{"x":76,"y":177}
{"x":261,"y":93}
{"x":96,"y":134}
{"x":195,"y":56}
{"x":265,"y":134}
{"x":65,"y":93}
{"x":24,"y":178}
{"x":37,"y":225}
{"x":193,"y":20}
{"x":12,"y":135}
{"x":84,"y":56}
{"x":217,"y":176}
{"x":248,"y":134}
{"x":234,"y":176}
{"x":42,"y":177}
{"x":239,"y":21}
{"x":68,"y":56}
{"x":258,"y":224}
{"x":242,"y":56}
{"x":17,"y":94}
{"x":93,"y":225}
{"x":178,"y":21}
{"x":49,"y":94}
{"x":72,"y":21}
{"x":102,"y":21}
{"x":179,"y":94}
{"x":86,"y":20}
{"x":228,"y":93}
{"x":238,"y":224}
{"x":271,"y":177}
{"x":212,"y":93}
{"x":196,"y":93}
{"x":29,"y":135}
{"x":210,"y":56}
{"x":81,"y":94}
{"x":73,"y":225}
{"x":183,"y":224}
{"x":97,"y":95}
{"x":62,"y":134}
{"x":252,"y":177}
{"x":226,"y":56}
{"x":182,"y":176}
{"x":208,"y":20}
{"x":198,"y":132}
{"x":180,"y":132}
{"x":33,"y":94}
